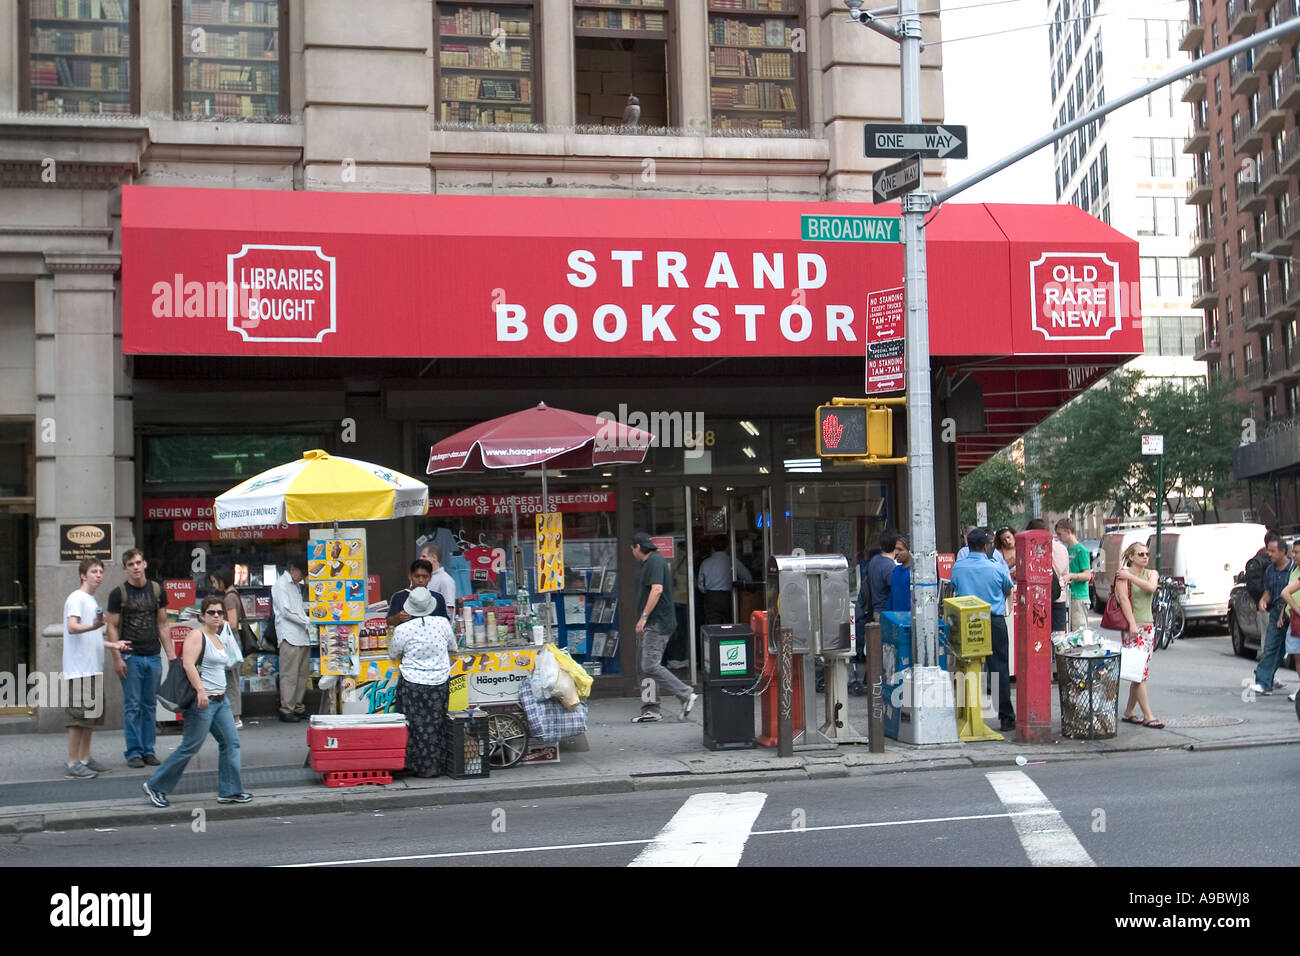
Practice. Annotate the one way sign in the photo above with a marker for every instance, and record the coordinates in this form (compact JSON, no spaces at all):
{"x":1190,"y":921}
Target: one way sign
{"x":903,"y":139}
{"x":893,"y":181}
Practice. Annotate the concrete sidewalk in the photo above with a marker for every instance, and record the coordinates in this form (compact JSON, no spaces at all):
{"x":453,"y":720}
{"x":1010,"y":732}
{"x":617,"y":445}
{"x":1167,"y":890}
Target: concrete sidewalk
{"x":1196,"y":689}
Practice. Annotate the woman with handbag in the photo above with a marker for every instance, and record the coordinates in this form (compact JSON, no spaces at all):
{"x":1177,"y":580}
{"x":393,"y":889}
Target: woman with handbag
{"x":222,"y":583}
{"x":1134,"y":602}
{"x":1293,"y":609}
{"x":206,"y":662}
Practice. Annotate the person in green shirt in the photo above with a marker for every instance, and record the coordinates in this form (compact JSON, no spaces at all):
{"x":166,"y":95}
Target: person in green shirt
{"x":1080,"y":573}
{"x":654,"y":628}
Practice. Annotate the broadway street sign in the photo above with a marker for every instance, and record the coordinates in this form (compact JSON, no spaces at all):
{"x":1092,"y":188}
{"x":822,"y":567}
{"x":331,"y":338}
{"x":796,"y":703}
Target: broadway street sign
{"x":849,"y":229}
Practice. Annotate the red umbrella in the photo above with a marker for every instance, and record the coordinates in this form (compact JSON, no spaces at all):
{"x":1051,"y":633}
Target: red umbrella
{"x":537,"y":436}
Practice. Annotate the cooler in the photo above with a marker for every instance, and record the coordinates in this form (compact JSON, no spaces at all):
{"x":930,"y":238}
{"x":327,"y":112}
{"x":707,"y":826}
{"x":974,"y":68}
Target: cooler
{"x":896,"y":654}
{"x":357,"y":742}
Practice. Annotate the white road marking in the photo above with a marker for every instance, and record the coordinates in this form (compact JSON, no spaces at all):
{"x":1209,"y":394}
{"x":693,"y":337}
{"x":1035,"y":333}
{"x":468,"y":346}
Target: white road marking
{"x":443,"y":856}
{"x":905,"y":823}
{"x":710,"y":829}
{"x":1046,"y":838}
{"x":595,"y":846}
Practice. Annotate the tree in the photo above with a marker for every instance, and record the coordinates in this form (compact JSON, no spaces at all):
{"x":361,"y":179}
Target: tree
{"x":1091,"y":450}
{"x":1086,"y":455}
{"x":999,"y":482}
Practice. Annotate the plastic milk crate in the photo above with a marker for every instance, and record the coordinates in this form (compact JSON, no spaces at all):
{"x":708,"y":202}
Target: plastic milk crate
{"x":466,"y":746}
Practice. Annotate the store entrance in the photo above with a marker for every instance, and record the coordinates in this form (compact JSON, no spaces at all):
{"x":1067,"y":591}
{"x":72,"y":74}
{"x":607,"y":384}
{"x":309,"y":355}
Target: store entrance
{"x":692,"y":525}
{"x":17,"y":529}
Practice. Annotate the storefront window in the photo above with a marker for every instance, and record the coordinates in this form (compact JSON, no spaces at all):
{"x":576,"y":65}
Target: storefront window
{"x":479,"y":531}
{"x":219,"y":458}
{"x":80,"y":56}
{"x":838,"y":517}
{"x":621,"y":48}
{"x":688,"y":443}
{"x":232,"y":60}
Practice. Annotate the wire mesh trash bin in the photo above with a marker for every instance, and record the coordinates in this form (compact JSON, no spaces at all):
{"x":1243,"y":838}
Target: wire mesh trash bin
{"x":1089,"y":686}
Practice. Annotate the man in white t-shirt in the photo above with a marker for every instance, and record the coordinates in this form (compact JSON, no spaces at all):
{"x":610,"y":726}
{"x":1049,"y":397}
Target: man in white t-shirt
{"x":83,"y":668}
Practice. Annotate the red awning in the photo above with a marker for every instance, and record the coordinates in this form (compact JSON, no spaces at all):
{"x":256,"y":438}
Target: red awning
{"x":1018,"y":294}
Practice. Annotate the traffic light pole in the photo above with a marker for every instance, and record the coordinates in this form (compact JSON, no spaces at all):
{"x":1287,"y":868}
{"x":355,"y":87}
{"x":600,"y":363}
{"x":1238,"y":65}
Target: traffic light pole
{"x":929,"y":724}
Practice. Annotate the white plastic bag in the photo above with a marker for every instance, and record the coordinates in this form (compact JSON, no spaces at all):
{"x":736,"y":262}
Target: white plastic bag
{"x":234,"y":653}
{"x":546,"y":671}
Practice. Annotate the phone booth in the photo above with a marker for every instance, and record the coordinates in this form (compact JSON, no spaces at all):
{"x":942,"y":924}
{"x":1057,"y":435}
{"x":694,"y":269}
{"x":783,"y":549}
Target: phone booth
{"x":813,"y":595}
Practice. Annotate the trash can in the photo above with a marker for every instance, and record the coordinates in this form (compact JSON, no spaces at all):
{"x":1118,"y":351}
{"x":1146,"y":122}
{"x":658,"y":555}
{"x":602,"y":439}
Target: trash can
{"x":1089,"y":685}
{"x":728,"y":687}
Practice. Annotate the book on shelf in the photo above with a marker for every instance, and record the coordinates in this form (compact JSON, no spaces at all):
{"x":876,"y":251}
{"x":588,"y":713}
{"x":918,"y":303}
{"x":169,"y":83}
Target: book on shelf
{"x":479,"y":22}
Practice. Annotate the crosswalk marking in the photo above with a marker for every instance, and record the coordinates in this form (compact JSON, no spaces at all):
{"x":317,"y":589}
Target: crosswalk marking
{"x":710,"y":829}
{"x":1046,"y":838}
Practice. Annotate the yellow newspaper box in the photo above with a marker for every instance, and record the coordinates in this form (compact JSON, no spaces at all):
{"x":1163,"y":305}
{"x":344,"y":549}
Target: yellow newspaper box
{"x":970,"y":629}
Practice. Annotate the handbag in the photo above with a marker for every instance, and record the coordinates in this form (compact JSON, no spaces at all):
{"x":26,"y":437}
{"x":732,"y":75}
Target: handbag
{"x":247,"y":639}
{"x":1295,"y":623}
{"x":1113,"y":619}
{"x":176,"y":693}
{"x":233,"y":656}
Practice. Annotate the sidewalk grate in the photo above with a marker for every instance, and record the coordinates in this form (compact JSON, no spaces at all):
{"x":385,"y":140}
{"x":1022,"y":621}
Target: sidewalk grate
{"x":121,"y":786}
{"x":1203,"y":720}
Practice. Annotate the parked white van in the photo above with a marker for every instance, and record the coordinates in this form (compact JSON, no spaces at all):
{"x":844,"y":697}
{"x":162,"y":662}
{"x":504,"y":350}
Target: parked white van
{"x":1113,"y":546}
{"x":1206,"y":558}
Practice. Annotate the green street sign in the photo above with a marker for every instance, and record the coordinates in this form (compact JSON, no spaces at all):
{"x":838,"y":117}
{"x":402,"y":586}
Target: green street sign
{"x":850,"y":229}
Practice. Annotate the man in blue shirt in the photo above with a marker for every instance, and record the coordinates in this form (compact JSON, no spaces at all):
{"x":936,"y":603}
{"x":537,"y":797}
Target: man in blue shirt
{"x":978,"y":575}
{"x":880,"y":574}
{"x":1272,"y":647}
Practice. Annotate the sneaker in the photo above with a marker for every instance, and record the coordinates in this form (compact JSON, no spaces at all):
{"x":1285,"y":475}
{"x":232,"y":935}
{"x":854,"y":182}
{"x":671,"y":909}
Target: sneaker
{"x":689,"y":705}
{"x":156,"y":798}
{"x":135,"y":762}
{"x":150,"y":760}
{"x":1260,"y":689}
{"x":647,"y":717}
{"x":80,"y":771}
{"x":1291,"y":696}
{"x":98,"y":767}
{"x":290,"y":718}
{"x":236,"y":798}
{"x":1278,"y":685}
{"x":239,"y":725}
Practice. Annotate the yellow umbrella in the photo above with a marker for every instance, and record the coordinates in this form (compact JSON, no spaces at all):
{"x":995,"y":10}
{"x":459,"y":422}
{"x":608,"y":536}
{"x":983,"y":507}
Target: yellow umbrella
{"x":320,"y":487}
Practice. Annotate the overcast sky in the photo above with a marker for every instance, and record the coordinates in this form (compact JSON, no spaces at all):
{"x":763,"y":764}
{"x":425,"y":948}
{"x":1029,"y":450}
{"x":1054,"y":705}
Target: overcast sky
{"x":999,"y":88}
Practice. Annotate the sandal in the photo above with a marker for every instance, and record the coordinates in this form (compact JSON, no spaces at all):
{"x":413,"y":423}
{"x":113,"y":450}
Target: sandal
{"x":1154,"y":724}
{"x":1130,"y":719}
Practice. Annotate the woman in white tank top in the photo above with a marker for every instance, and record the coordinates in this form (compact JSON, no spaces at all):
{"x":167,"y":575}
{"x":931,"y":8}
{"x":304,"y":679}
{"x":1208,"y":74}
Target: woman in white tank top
{"x":204,"y":660}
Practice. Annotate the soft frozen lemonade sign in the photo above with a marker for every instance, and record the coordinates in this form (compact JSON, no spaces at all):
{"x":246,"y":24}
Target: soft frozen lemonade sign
{"x":1075,"y":296}
{"x":280,"y":293}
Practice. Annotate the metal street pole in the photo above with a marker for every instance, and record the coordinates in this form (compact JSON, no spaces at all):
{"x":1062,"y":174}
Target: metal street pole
{"x":935,"y":723}
{"x":1160,"y":503}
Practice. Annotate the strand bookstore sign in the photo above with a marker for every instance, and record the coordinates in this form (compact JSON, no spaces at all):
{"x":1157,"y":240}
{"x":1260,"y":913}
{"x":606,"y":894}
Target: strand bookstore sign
{"x":273,"y":273}
{"x":86,"y":540}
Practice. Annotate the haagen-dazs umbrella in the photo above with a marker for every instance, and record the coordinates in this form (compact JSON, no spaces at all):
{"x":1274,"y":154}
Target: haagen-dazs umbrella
{"x":319,"y":488}
{"x":540,"y":436}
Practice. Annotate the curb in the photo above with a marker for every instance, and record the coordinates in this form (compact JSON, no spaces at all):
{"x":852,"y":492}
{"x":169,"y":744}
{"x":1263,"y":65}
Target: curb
{"x":303,"y":802}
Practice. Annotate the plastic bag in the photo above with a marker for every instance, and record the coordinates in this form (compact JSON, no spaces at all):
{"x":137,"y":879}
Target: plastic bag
{"x":545,"y":673}
{"x":581,"y":679}
{"x":565,"y":690}
{"x":234,"y":652}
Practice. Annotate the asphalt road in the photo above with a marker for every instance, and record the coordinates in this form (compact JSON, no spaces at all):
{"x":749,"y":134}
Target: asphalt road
{"x":1222,"y":808}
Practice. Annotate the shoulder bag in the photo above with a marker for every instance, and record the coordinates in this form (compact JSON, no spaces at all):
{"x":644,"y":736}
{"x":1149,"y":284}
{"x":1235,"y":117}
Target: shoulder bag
{"x":1113,"y":619}
{"x":176,"y":693}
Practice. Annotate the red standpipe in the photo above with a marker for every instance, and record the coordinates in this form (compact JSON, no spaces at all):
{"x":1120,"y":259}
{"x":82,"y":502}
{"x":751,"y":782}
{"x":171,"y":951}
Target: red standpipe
{"x":1034,"y":637}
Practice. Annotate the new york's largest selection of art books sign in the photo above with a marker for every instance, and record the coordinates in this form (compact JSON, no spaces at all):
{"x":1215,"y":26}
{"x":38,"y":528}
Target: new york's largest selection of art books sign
{"x":222,"y":272}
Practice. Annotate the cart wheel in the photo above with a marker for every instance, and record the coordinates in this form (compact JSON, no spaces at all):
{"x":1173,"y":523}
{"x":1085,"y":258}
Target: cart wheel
{"x":508,"y":737}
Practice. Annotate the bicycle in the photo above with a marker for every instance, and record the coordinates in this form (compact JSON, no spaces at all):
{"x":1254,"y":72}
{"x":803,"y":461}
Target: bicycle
{"x":1167,"y":612}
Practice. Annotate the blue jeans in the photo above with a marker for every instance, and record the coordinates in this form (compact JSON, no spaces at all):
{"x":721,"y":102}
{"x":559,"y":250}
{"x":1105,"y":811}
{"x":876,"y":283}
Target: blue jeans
{"x":139,"y":689}
{"x":216,"y":719}
{"x":1271,"y":650}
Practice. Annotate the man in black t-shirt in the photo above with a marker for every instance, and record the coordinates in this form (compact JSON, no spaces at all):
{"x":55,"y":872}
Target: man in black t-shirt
{"x":137,"y":613}
{"x":654,"y":628}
